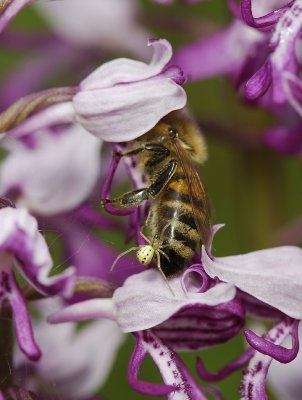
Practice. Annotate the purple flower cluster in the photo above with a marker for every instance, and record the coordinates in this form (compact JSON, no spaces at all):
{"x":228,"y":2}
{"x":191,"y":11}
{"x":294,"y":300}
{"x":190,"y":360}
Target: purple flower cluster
{"x":57,"y":163}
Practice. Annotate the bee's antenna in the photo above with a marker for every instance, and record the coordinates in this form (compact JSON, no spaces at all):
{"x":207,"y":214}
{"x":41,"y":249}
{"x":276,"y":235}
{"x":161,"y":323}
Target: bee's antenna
{"x":163,"y":275}
{"x":121,"y":255}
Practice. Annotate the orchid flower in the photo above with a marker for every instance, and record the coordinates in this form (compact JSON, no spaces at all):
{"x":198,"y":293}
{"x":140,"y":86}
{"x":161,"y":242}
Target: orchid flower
{"x":281,"y":67}
{"x":94,"y":26}
{"x":74,"y":364}
{"x":253,"y":383}
{"x":80,"y":36}
{"x":231,"y":51}
{"x":165,"y":311}
{"x":119,"y":101}
{"x":273,"y":276}
{"x":51,"y":172}
{"x":235,"y":51}
{"x":22,"y":245}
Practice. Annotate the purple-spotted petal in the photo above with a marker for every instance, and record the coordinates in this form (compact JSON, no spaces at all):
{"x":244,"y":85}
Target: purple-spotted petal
{"x":273,"y":276}
{"x":275,"y":351}
{"x":172,"y":370}
{"x":283,"y":59}
{"x":137,"y":358}
{"x":9,"y":9}
{"x":20,"y":237}
{"x":253,"y":384}
{"x":23,"y":328}
{"x":123,"y":99}
{"x":159,"y":303}
{"x":70,"y":179}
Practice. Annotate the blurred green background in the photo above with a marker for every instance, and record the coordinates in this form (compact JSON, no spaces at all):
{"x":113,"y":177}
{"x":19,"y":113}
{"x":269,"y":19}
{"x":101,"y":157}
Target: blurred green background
{"x":254,"y":192}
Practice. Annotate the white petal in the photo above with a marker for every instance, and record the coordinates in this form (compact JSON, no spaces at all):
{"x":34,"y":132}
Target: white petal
{"x":94,"y":23}
{"x":273,"y":276}
{"x":145,"y":300}
{"x":57,"y":175}
{"x":125,"y":112}
{"x":77,"y":362}
{"x":124,"y":70}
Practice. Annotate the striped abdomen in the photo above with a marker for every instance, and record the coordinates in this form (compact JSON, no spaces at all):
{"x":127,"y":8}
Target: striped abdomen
{"x":171,"y":218}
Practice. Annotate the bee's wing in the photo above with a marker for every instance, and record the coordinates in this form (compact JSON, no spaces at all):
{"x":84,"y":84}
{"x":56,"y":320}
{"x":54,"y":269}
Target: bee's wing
{"x":197,"y":192}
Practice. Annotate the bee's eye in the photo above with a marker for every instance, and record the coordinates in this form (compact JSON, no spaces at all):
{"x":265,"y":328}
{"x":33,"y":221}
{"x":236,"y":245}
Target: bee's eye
{"x":173,"y":132}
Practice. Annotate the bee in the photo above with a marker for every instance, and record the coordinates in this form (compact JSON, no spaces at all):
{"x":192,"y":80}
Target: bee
{"x":168,"y":156}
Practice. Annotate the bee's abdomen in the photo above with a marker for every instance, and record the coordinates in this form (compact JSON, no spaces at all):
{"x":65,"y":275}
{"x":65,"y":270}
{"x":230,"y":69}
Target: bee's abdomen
{"x":175,"y":223}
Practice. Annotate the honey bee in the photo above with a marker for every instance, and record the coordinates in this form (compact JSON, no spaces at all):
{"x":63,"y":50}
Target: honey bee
{"x":179,"y":213}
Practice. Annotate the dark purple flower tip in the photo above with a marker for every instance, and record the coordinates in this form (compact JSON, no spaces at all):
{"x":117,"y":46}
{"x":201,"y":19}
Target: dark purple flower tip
{"x":259,"y":83}
{"x":277,"y":352}
{"x":265,"y":22}
{"x":254,"y":377}
{"x":234,"y":365}
{"x":284,"y":140}
{"x":176,"y":73}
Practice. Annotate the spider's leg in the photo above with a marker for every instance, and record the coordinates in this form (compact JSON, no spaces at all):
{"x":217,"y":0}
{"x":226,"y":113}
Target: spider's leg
{"x":164,"y":254}
{"x":145,"y":237}
{"x":121,"y":255}
{"x":162,"y":272}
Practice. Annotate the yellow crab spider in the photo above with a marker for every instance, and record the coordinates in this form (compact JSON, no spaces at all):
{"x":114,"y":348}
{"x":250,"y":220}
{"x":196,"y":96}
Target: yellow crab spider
{"x":145,"y":254}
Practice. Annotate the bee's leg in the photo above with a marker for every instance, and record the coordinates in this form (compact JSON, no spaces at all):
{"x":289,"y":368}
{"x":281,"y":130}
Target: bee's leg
{"x":159,"y":150}
{"x":138,"y":196}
